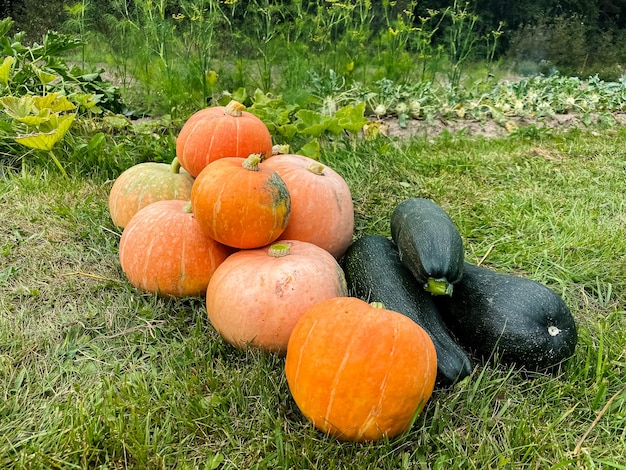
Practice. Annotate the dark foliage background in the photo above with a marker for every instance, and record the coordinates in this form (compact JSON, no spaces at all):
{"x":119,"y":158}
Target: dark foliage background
{"x":575,"y":37}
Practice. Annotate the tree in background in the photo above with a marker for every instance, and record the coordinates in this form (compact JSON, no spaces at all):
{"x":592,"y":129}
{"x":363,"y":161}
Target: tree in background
{"x":34,"y":17}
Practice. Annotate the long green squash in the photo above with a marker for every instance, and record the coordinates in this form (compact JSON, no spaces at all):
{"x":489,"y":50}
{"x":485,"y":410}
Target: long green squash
{"x":429,"y":243}
{"x":375,"y":273}
{"x":513,"y":319}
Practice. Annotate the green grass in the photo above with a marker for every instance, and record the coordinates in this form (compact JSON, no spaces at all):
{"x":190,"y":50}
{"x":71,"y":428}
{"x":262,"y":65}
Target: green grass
{"x":94,"y":374}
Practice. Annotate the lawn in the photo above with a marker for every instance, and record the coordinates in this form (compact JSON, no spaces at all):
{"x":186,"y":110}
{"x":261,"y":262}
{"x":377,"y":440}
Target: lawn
{"x":95,"y":374}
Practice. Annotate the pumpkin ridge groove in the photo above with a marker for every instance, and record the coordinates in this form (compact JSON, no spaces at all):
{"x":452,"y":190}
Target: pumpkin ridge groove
{"x":181,"y":279}
{"x":191,"y":132}
{"x":301,"y":352}
{"x":145,"y":278}
{"x":236,"y":121}
{"x":336,"y":378}
{"x":377,"y":410}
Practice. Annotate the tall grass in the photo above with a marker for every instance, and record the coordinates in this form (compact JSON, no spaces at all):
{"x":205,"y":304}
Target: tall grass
{"x":180,"y":56}
{"x":94,"y":374}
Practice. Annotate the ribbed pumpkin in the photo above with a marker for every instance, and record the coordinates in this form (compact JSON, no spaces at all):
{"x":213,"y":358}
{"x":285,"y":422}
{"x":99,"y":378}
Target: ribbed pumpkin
{"x":218,"y":132}
{"x":256,"y":296}
{"x":240,"y":203}
{"x":145,"y":183}
{"x":358,"y":372}
{"x":322,"y":211}
{"x":163,"y":250}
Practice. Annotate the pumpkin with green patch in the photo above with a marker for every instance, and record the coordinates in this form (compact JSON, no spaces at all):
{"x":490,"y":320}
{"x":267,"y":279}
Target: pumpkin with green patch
{"x":240,"y":203}
{"x":145,"y":183}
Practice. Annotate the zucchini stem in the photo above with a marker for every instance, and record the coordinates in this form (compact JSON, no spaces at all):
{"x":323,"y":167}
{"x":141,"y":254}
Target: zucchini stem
{"x":438,"y":286}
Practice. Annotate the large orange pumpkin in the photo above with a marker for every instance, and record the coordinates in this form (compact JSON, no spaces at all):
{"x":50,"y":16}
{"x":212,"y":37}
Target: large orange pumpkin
{"x":163,"y":250}
{"x":322,"y":211}
{"x":240,"y":203}
{"x":145,"y":183}
{"x":218,"y":132}
{"x":358,"y":372}
{"x":256,"y":296}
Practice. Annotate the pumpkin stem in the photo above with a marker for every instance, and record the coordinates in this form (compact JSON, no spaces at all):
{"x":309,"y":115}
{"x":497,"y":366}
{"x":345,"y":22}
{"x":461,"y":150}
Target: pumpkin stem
{"x":316,"y":168}
{"x":252,"y":162}
{"x":438,"y":286}
{"x":280,"y":149}
{"x":377,"y":305}
{"x":175,"y":166}
{"x":234,"y":108}
{"x":187,"y":208}
{"x":278,"y":250}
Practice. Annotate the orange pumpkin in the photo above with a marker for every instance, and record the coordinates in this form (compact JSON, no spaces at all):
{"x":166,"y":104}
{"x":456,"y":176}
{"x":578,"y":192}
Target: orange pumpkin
{"x":358,"y":372}
{"x":322,"y":211}
{"x":218,"y":132}
{"x":256,"y":296}
{"x":241,"y":204}
{"x":145,"y":183}
{"x":163,"y":250}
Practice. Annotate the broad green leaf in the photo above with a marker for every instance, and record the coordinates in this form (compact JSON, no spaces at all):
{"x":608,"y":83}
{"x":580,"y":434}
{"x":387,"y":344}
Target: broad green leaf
{"x":311,"y":149}
{"x":240,"y":94}
{"x":314,"y":123}
{"x":55,"y":43}
{"x":86,"y":100}
{"x":334,"y":126}
{"x":5,"y":69}
{"x":57,"y":121}
{"x":55,"y":102}
{"x":43,"y":76}
{"x":62,"y":104}
{"x":35,"y":120}
{"x":264,"y":99}
{"x":352,"y":118}
{"x":288,"y":131}
{"x":46,"y":140}
{"x":116,"y":121}
{"x":17,"y":107}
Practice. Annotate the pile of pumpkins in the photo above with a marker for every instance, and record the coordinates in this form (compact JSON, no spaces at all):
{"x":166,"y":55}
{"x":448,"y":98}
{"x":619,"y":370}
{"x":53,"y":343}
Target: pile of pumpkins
{"x":259,"y":234}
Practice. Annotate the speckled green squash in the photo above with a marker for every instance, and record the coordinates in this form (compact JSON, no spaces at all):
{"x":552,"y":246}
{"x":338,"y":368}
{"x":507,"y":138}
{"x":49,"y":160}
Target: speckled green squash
{"x":145,"y":183}
{"x":240,"y":203}
{"x":514,"y":320}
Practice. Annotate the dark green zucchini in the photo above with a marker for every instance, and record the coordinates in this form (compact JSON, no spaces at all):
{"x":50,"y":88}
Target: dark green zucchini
{"x":375,"y":273}
{"x":513,"y":319}
{"x":429,"y":244}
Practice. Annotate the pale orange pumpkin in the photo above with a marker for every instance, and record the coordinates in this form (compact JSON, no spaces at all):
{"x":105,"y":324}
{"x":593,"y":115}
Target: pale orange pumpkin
{"x":322,"y":210}
{"x":240,"y":203}
{"x":359,"y":372}
{"x":163,"y":250}
{"x":256,"y":296}
{"x":218,"y":132}
{"x":145,"y":183}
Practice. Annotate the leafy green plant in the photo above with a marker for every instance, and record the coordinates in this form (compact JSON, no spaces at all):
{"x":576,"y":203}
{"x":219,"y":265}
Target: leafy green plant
{"x":302,"y":128}
{"x":41,"y":68}
{"x":40,"y":95}
{"x":39,"y":122}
